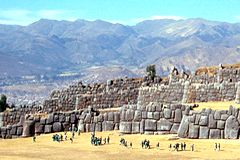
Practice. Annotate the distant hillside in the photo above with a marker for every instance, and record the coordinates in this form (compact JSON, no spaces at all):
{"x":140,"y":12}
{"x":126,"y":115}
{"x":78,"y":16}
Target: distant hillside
{"x":49,"y":46}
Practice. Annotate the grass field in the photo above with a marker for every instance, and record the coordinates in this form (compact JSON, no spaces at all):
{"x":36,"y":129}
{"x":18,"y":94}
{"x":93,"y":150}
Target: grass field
{"x":44,"y":148}
{"x":217,"y":105}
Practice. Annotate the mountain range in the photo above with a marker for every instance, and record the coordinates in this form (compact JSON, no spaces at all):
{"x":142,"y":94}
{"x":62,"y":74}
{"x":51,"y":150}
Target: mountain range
{"x":51,"y":46}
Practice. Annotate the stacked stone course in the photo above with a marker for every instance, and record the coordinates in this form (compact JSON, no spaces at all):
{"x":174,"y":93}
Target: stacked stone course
{"x":154,"y":106}
{"x":212,"y":124}
{"x":155,"y":118}
{"x":84,"y":120}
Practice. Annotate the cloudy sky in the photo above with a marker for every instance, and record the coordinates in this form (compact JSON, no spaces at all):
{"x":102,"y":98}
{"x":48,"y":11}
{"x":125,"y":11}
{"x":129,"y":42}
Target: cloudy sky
{"x":130,"y":12}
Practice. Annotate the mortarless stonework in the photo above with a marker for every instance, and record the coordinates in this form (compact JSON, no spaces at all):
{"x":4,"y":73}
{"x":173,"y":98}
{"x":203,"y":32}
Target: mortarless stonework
{"x":147,"y":106}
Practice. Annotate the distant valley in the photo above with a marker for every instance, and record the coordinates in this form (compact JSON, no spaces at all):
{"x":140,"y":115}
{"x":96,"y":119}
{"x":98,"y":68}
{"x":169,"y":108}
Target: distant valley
{"x":49,"y":51}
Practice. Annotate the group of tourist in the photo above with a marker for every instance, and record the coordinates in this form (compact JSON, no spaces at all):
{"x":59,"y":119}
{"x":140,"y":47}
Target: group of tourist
{"x":124,"y":143}
{"x":217,"y":147}
{"x":146,"y":144}
{"x":60,"y":137}
{"x":97,"y":141}
{"x":57,"y":137}
{"x":178,"y":147}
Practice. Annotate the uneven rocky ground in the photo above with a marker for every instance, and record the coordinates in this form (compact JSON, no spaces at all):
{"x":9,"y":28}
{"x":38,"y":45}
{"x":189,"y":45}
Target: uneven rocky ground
{"x":44,"y":148}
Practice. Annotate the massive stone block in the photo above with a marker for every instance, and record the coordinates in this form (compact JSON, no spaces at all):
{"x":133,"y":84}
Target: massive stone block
{"x":203,"y":132}
{"x":61,"y":118}
{"x":197,"y":119}
{"x":28,"y":129}
{"x":13,"y":130}
{"x":110,"y":116}
{"x":39,"y":128}
{"x":56,"y":118}
{"x":107,"y":126}
{"x":149,"y":115}
{"x":215,"y":134}
{"x":98,"y":127}
{"x":116,"y":126}
{"x":164,"y":125}
{"x":203,"y":121}
{"x":193,"y":131}
{"x":167,"y":113}
{"x":150,"y":125}
{"x":49,"y":119}
{"x":220,"y":124}
{"x":224,"y":116}
{"x":142,"y":126}
{"x":57,"y":127}
{"x":137,"y":115}
{"x":48,"y":129}
{"x":73,"y":118}
{"x":19,"y":131}
{"x":212,"y":123}
{"x":174,"y":128}
{"x":144,"y":114}
{"x":183,"y":128}
{"x":231,"y":130}
{"x":178,"y":115}
{"x":125,"y":127}
{"x":81,"y":125}
{"x":66,"y":126}
{"x":217,"y":115}
{"x":88,"y":118}
{"x":156,"y":115}
{"x":135,"y":127}
{"x":129,"y":115}
{"x":116,"y":117}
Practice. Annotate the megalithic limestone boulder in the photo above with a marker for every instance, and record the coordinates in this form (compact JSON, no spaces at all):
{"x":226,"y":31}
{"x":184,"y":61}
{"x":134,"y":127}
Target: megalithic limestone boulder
{"x":184,"y":127}
{"x":125,"y":127}
{"x":231,"y":130}
{"x":28,"y":129}
{"x":81,"y":126}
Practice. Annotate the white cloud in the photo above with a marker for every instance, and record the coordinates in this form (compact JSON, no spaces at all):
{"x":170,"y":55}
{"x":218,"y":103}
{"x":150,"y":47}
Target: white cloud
{"x":25,"y":17}
{"x":137,"y":20}
{"x":166,"y":17}
{"x":237,"y":18}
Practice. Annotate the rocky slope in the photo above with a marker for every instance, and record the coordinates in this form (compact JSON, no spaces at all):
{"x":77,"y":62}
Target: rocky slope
{"x":48,"y":46}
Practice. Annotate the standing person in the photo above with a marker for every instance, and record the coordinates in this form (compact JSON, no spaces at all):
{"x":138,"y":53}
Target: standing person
{"x":192,"y":147}
{"x":104,"y":141}
{"x":184,"y":146}
{"x":215,"y":146}
{"x":108,"y":140}
{"x":73,"y":134}
{"x":218,"y":146}
{"x":170,"y":147}
{"x":142,"y":144}
{"x":158,"y":145}
{"x":34,"y":138}
{"x":130,"y":144}
{"x":71,"y":140}
{"x":61,"y":137}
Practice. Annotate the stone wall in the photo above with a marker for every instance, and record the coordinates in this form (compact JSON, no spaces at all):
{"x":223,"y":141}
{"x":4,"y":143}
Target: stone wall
{"x":114,"y":93}
{"x":84,"y":120}
{"x":221,"y":84}
{"x":153,"y":104}
{"x":212,"y":124}
{"x":155,"y":118}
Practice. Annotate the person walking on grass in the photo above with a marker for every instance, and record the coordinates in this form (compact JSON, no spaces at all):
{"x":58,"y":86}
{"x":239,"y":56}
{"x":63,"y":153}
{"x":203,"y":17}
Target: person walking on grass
{"x":216,"y":146}
{"x":34,"y":138}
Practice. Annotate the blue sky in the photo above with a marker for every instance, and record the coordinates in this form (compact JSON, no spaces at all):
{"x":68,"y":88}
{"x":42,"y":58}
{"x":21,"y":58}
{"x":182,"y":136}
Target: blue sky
{"x":128,"y":12}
